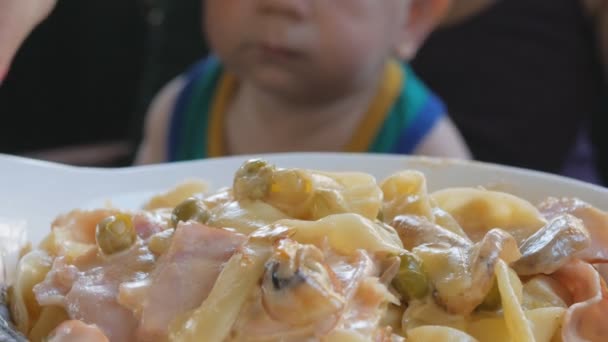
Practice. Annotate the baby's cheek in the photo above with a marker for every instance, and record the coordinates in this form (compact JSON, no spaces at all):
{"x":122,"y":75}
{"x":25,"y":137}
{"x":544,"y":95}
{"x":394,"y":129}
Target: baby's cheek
{"x":225,"y":45}
{"x":353,"y":55}
{"x":225,"y":24}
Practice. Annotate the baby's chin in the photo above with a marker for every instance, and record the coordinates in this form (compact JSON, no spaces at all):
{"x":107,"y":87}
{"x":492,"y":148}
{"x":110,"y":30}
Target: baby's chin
{"x":306,"y":89}
{"x":281,"y":83}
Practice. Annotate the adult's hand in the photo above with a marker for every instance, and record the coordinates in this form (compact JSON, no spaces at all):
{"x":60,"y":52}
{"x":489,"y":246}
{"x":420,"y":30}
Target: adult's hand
{"x":462,"y":10}
{"x":17,"y":19}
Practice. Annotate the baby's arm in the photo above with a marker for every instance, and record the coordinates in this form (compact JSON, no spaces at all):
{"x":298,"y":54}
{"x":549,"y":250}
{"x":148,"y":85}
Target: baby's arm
{"x":444,"y":140}
{"x":598,"y":12}
{"x":153,"y":148}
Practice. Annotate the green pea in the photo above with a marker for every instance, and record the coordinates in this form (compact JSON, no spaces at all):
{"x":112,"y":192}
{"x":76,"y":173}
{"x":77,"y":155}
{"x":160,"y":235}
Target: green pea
{"x":191,"y":209}
{"x":253,"y":166}
{"x":411,"y":281}
{"x":252,"y":180}
{"x":380,"y":216}
{"x":115,"y":234}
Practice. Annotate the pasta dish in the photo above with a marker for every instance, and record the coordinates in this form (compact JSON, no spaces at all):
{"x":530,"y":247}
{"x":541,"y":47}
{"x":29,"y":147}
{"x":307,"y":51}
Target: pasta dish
{"x":303,"y":255}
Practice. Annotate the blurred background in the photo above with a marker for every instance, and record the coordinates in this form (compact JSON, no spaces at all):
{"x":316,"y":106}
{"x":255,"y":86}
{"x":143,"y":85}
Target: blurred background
{"x":524,"y":81}
{"x":79,"y":87}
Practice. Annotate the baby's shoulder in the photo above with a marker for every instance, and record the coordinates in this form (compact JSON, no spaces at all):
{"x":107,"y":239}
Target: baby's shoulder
{"x":153,"y":147}
{"x":416,"y":98}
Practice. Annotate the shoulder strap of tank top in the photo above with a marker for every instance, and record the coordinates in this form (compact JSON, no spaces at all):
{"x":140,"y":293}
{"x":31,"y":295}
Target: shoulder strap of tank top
{"x":188,"y":121}
{"x":412,"y":117}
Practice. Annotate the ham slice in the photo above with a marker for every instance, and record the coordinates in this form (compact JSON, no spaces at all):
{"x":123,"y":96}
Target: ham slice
{"x":76,"y":331}
{"x":88,"y":288}
{"x":184,"y":276}
{"x":585,"y":319}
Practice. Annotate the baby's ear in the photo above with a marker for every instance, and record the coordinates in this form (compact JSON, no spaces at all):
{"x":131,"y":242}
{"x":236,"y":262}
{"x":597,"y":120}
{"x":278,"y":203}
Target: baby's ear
{"x":423,"y":17}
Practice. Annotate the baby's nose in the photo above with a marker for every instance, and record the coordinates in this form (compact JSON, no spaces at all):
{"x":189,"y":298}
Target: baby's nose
{"x":295,"y":9}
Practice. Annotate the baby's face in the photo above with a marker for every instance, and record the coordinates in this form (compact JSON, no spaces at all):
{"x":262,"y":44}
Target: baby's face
{"x":305,"y":48}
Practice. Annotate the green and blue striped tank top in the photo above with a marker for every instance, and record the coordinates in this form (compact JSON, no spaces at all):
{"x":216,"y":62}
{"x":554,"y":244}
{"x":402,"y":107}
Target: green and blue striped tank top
{"x":402,"y":114}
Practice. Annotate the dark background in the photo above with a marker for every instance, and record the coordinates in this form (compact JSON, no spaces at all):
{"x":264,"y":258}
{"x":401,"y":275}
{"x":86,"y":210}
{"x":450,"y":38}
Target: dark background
{"x":75,"y":79}
{"x":523,"y":81}
{"x":86,"y":76}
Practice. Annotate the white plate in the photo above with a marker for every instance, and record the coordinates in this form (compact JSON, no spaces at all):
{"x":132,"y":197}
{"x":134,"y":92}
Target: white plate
{"x":34,"y":192}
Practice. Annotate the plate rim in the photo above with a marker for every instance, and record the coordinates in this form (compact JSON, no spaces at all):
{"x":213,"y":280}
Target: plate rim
{"x":422,"y":160}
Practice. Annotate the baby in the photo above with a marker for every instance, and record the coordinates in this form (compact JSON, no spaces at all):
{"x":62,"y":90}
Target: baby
{"x":304,"y":75}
